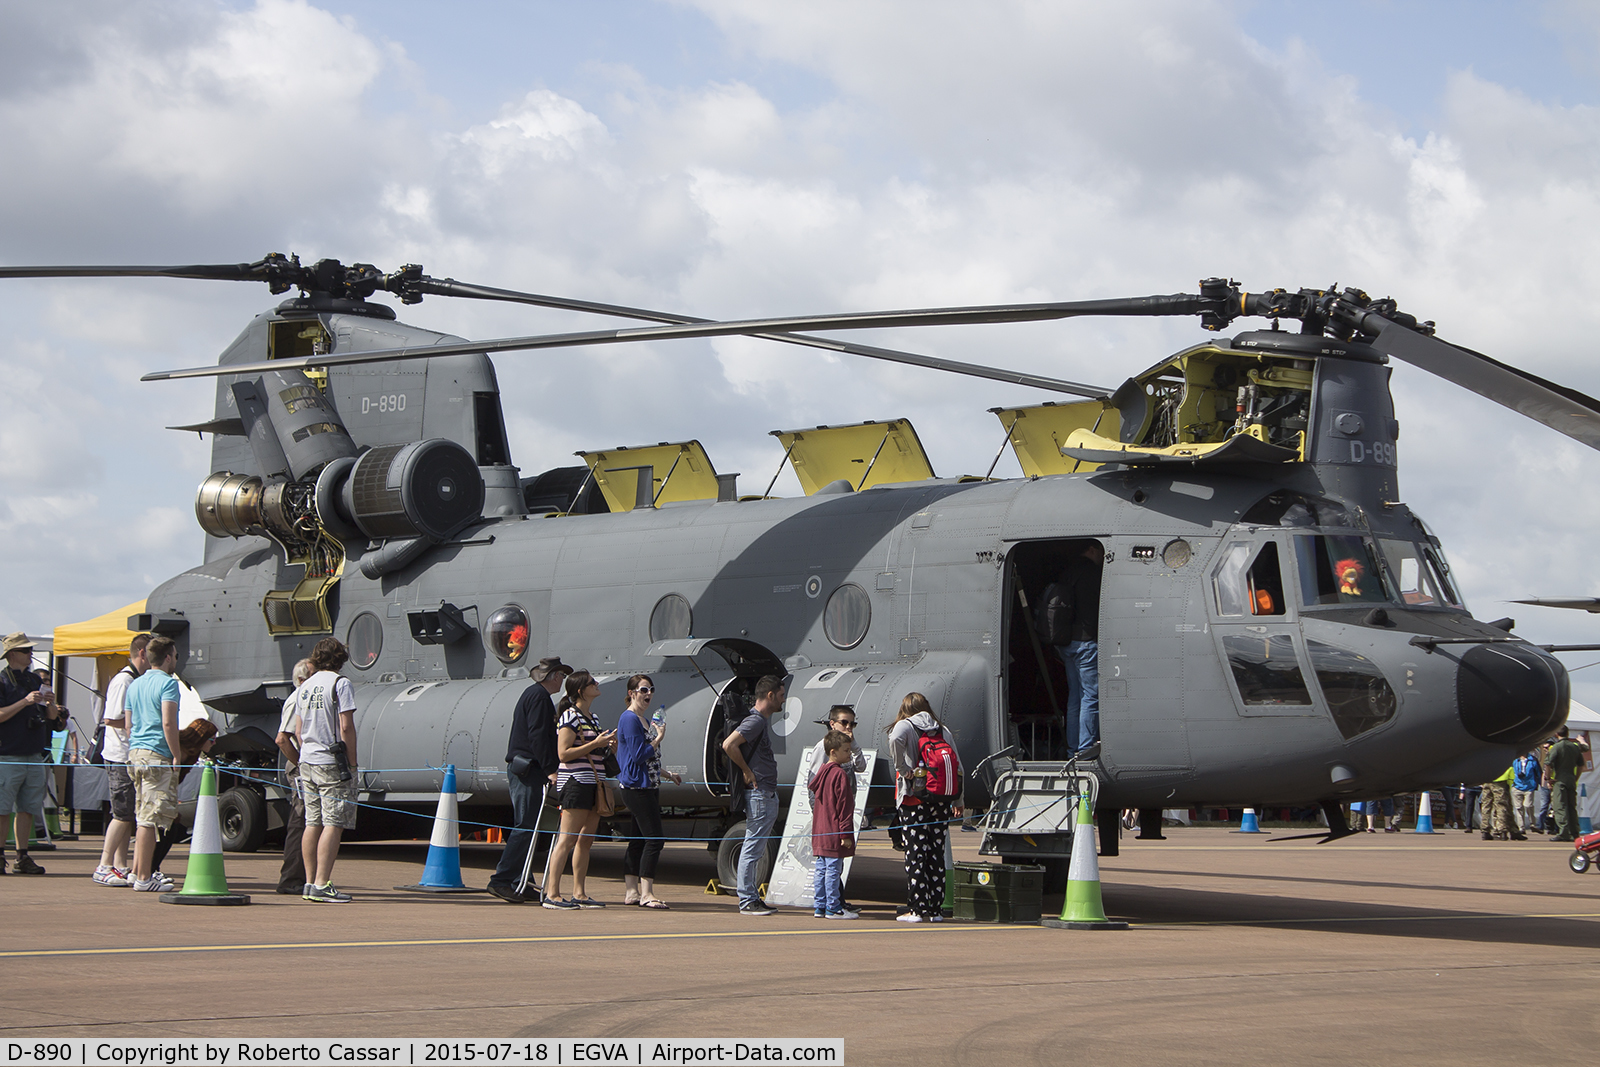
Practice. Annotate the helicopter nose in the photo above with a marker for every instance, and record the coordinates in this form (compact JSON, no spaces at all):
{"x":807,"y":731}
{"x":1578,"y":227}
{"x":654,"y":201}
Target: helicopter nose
{"x":1511,"y":694}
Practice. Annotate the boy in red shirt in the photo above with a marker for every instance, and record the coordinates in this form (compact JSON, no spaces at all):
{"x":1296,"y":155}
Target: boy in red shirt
{"x":833,"y":809}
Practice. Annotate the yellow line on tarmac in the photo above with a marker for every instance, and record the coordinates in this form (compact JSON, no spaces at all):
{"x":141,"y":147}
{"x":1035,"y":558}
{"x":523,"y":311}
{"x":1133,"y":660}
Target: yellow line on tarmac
{"x":831,"y":931}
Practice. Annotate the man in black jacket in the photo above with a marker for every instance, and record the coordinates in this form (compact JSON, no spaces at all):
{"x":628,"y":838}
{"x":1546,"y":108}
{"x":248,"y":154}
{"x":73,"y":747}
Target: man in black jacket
{"x":531,"y":762}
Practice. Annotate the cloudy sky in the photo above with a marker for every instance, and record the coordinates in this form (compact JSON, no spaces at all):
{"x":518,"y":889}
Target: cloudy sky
{"x":732,"y":159}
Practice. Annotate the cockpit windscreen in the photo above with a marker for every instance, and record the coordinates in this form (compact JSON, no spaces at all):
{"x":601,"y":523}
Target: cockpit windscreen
{"x":1338,"y":569}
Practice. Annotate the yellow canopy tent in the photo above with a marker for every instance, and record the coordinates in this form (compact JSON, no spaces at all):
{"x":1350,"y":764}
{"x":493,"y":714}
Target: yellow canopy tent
{"x":104,"y":637}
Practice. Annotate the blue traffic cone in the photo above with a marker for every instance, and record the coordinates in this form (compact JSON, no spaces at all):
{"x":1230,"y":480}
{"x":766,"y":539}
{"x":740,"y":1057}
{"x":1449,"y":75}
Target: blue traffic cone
{"x":1425,"y":814}
{"x":1585,"y":824}
{"x":442,"y":872}
{"x":1248,"y":823}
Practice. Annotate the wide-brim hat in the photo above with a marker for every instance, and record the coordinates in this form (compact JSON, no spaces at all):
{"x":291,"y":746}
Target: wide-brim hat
{"x":547,"y":666}
{"x":16,"y":642}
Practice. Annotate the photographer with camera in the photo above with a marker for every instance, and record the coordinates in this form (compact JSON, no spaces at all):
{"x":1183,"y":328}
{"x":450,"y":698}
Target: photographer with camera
{"x":327,"y":742}
{"x":28,"y":711}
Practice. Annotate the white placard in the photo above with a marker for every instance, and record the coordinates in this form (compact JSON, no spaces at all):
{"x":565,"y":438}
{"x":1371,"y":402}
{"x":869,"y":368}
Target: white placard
{"x":793,"y":877}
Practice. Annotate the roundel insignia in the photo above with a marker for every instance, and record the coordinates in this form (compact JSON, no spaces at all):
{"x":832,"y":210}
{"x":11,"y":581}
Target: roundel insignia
{"x":983,"y":877}
{"x":813,"y":587}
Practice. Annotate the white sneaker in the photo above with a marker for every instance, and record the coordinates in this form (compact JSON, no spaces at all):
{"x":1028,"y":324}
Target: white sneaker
{"x":908,"y":917}
{"x":150,"y":885}
{"x":168,"y":885}
{"x":104,"y":875}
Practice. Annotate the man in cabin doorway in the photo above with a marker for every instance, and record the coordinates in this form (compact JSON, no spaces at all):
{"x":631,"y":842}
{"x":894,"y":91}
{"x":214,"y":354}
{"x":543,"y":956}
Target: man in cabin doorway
{"x":1080,"y":584}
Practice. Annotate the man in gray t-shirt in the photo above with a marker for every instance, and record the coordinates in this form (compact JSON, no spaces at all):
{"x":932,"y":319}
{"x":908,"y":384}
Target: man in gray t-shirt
{"x":749,"y":748}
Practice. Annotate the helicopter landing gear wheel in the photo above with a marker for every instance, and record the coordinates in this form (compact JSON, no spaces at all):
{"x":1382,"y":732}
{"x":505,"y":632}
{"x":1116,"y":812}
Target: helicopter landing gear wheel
{"x":243,"y":815}
{"x":1578,"y":861}
{"x":728,"y":858}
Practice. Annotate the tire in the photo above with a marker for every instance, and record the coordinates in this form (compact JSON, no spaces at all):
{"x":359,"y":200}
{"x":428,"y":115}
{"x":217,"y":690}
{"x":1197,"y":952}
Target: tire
{"x":243,"y":815}
{"x":1578,"y":861}
{"x":728,"y":858}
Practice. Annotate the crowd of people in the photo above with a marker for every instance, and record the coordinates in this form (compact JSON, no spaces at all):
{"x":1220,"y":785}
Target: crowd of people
{"x":561,"y":759}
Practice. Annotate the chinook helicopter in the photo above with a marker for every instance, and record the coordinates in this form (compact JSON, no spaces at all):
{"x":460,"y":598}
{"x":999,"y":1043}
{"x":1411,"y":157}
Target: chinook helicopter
{"x":1275,"y":623}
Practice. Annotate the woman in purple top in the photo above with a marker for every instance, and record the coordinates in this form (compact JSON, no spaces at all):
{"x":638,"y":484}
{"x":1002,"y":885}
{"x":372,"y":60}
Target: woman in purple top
{"x":640,"y":777}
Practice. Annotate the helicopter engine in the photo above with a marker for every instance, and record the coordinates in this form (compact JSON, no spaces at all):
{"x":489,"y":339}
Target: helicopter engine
{"x":319,"y":495}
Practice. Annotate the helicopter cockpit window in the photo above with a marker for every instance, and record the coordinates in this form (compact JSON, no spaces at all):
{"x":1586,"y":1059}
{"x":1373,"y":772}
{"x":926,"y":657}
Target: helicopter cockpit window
{"x":1266,"y":669}
{"x":1247,"y":586}
{"x":364,"y":640}
{"x":1417,"y":570}
{"x":1358,"y":694}
{"x":1338,"y":569}
{"x":507,"y":632}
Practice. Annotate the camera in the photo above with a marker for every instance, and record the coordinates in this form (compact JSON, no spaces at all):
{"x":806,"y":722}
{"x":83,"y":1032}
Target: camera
{"x":341,"y":757}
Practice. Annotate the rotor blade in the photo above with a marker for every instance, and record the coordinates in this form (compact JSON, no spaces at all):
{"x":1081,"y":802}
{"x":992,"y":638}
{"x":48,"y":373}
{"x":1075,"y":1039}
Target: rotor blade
{"x":1564,"y":410}
{"x":1582,"y":603}
{"x":451,"y":287}
{"x":1181,"y":304}
{"x":216,"y":271}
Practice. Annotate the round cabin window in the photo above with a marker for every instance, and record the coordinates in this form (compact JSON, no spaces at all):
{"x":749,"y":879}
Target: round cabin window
{"x":364,"y":640}
{"x":671,"y":618}
{"x":847,"y":615}
{"x":507,"y":634}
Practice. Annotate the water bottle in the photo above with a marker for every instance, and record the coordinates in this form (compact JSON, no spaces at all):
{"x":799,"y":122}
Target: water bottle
{"x":658,"y":720}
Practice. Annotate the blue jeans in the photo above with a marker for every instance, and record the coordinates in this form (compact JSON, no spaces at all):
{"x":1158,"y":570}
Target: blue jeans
{"x":1542,"y":820}
{"x":827,"y":891}
{"x":1082,"y":661}
{"x":761,"y":814}
{"x":525,"y":797}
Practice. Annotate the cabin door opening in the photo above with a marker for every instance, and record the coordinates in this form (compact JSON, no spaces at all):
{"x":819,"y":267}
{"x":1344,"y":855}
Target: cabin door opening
{"x":1034,"y":681}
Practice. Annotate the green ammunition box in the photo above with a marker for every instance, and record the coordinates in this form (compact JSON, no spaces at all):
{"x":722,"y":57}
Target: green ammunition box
{"x":997,"y":892}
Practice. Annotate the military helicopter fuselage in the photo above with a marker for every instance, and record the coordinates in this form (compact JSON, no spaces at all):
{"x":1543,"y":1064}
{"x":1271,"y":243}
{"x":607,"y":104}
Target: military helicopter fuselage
{"x":1274,"y":627}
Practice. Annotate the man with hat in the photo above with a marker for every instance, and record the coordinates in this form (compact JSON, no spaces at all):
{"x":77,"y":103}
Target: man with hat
{"x":27,"y":712}
{"x":531,"y":764}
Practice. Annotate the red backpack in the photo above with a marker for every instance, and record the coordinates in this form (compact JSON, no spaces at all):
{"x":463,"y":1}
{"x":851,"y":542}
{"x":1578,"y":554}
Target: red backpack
{"x":940,"y":773}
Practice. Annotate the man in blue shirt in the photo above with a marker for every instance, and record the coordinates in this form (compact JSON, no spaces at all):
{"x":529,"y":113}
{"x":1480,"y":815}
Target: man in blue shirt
{"x":1525,"y":775}
{"x":153,"y":749}
{"x":27,"y":713}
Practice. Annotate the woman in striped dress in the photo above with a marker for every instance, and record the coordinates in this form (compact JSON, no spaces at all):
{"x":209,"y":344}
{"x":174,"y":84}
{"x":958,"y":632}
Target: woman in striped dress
{"x":580,"y":745}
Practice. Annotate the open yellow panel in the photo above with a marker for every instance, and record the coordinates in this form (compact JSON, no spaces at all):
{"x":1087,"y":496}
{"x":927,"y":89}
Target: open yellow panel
{"x":1038,"y":433}
{"x":864,"y":454}
{"x":680,"y":471}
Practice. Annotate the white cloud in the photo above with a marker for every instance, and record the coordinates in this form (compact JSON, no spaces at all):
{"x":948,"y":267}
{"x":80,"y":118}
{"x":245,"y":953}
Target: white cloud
{"x":1030,"y":151}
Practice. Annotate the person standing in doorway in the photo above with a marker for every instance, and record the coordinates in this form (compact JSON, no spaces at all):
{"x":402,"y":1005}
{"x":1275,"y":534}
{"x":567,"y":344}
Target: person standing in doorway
{"x":749,"y":748}
{"x":1080,"y":585}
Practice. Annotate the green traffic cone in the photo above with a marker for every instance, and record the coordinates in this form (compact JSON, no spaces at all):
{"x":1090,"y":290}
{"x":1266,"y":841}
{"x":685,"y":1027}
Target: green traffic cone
{"x":204,"y":881}
{"x":1083,"y":909}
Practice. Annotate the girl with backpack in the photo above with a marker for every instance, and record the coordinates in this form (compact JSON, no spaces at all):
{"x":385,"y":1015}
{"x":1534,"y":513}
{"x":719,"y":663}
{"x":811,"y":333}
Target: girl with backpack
{"x":928,"y":792}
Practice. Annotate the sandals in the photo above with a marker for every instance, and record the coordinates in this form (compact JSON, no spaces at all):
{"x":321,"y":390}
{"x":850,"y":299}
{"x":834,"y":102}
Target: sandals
{"x":655,"y":905}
